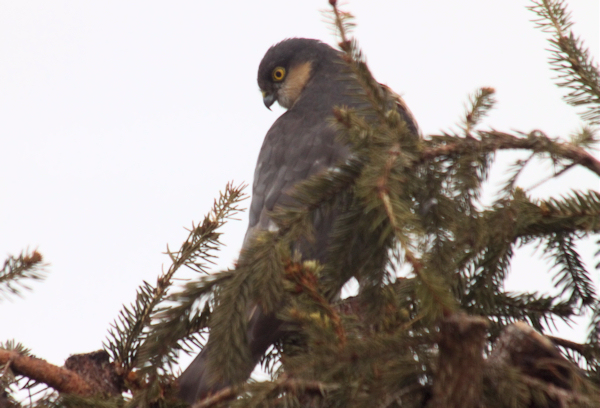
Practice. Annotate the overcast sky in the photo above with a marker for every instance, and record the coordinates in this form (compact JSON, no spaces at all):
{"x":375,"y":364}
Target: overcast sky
{"x":121,"y":120}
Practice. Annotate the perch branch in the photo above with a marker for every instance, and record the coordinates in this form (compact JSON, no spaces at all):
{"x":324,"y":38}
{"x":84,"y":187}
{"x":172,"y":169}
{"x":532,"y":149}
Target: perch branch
{"x":59,"y":378}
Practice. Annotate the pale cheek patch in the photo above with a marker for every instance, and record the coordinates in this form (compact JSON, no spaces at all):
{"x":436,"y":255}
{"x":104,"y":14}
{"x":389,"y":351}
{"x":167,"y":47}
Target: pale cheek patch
{"x":294,"y":84}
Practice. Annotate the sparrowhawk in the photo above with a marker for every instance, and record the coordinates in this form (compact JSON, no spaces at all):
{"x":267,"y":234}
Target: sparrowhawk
{"x":308,"y":78}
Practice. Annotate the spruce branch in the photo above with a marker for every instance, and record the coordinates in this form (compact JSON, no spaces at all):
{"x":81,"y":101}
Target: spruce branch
{"x":28,"y":265}
{"x":268,"y":389}
{"x":566,"y":398}
{"x":228,"y":328}
{"x":383,"y":193}
{"x":199,"y":248}
{"x":480,"y":103}
{"x":175,"y":327}
{"x":578,"y":211}
{"x":514,"y":171}
{"x":306,"y":282}
{"x":257,"y":283}
{"x":572,"y":275}
{"x":432,"y":290}
{"x":226,"y":394}
{"x":76,"y":401}
{"x":515,"y":221}
{"x":505,"y":308}
{"x":156,"y":349}
{"x":570,"y":59}
{"x":130,"y":331}
{"x":490,"y":269}
{"x":343,"y":23}
{"x":592,"y":353}
{"x":449,"y":146}
{"x":382,"y":101}
{"x":586,"y":137}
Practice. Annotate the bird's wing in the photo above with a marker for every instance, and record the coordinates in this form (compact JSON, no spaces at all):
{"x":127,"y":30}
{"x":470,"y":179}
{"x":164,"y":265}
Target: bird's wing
{"x":296,"y":147}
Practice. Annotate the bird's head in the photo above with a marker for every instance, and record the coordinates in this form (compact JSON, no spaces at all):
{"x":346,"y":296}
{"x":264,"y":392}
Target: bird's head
{"x":287,"y":68}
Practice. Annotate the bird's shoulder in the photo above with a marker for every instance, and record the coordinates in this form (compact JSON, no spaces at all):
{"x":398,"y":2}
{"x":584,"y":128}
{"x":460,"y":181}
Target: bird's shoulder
{"x":400,"y":105}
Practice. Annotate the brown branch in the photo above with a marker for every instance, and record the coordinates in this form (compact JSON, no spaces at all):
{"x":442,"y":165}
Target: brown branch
{"x":504,"y":141}
{"x":61,"y":379}
{"x":225,"y":394}
{"x":459,"y":377}
{"x":284,"y":384}
{"x":383,"y":195}
{"x":580,"y":348}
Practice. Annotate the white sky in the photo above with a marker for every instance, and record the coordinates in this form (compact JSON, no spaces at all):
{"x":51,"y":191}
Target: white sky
{"x":120,"y":121}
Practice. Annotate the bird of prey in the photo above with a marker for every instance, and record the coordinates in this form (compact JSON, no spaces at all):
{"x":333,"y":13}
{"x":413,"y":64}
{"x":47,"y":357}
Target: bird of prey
{"x":309,"y":79}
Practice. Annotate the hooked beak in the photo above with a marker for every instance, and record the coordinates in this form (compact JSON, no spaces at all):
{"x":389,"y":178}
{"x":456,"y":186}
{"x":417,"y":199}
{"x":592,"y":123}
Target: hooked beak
{"x":268,"y":99}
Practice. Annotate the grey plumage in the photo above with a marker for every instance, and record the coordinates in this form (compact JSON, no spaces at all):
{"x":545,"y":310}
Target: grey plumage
{"x":302,"y":142}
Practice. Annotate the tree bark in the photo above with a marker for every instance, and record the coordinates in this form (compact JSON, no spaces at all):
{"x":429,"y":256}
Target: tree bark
{"x":458,"y":379}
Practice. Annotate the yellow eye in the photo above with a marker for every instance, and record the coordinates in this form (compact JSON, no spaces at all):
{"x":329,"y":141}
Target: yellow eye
{"x":278,"y":74}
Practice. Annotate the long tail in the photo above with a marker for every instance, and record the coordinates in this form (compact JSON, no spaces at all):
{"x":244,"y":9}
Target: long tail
{"x":196,"y":382}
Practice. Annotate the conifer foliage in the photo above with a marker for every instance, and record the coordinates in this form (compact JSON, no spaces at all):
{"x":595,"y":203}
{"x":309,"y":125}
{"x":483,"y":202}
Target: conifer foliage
{"x":447,"y":334}
{"x":16,"y":269}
